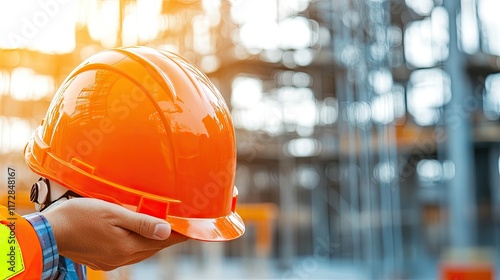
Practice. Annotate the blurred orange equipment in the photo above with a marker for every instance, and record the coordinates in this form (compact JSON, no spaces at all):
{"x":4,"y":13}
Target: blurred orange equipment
{"x":472,"y":263}
{"x":146,"y":129}
{"x":461,"y":272}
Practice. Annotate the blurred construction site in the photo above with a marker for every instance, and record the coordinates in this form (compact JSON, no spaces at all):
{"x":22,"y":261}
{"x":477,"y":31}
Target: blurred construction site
{"x":368,"y":131}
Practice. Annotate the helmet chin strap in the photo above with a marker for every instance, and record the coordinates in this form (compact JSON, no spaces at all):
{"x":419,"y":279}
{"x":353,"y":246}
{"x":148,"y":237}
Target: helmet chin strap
{"x":57,"y":195}
{"x":56,"y":190}
{"x":46,"y":194}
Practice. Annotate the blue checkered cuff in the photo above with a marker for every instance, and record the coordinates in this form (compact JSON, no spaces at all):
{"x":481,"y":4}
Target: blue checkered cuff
{"x":48,"y":243}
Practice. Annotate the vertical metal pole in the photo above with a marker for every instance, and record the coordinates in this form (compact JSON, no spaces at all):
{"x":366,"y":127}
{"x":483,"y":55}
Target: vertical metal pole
{"x":396,"y":204}
{"x":287,"y":197}
{"x":319,"y":212}
{"x":386,"y":206}
{"x":460,"y":150}
{"x":288,"y":211}
{"x":495,"y":192}
{"x":387,"y":153}
{"x":368,"y":191}
{"x":349,"y":183}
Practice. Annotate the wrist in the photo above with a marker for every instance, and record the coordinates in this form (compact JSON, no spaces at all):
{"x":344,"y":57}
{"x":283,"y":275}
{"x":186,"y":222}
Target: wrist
{"x":56,"y":223}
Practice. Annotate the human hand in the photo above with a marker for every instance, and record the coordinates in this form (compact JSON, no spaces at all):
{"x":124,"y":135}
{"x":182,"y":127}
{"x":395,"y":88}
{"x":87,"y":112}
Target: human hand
{"x":104,"y":235}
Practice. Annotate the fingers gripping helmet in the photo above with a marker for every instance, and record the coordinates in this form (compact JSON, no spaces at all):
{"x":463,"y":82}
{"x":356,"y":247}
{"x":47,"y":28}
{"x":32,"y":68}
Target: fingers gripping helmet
{"x":146,"y":129}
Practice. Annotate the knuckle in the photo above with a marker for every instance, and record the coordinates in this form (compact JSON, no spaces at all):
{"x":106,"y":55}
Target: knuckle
{"x":144,"y":226}
{"x":126,"y":250}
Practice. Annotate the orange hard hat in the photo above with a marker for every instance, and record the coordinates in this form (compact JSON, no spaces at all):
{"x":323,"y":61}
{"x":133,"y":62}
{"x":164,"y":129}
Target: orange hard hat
{"x":146,"y":129}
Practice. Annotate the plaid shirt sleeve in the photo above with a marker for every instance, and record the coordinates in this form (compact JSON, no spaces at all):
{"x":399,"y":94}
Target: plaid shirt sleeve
{"x":48,"y":243}
{"x":55,"y":267}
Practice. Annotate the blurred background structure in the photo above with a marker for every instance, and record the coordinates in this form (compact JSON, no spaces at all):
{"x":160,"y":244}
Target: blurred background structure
{"x":368,"y":130}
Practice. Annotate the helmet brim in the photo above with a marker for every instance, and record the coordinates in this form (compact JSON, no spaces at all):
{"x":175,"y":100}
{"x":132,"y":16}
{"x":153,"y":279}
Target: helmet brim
{"x":217,"y":229}
{"x":223,"y":228}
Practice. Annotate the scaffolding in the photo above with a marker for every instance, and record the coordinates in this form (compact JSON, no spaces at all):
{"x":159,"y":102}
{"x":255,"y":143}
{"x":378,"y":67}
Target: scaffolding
{"x":367,"y":130}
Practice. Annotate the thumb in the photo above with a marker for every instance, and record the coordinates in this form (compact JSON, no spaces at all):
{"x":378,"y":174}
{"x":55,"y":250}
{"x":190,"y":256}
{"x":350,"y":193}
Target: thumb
{"x":145,"y":225}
